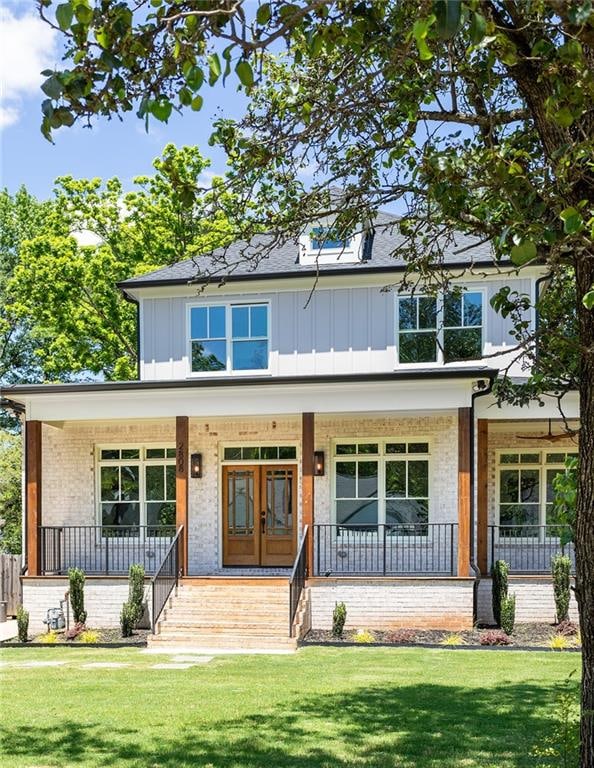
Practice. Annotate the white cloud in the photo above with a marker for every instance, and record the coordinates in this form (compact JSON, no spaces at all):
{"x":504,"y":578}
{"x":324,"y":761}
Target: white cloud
{"x":27,"y":45}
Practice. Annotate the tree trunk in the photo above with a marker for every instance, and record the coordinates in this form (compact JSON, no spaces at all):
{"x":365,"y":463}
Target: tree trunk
{"x":584,"y":534}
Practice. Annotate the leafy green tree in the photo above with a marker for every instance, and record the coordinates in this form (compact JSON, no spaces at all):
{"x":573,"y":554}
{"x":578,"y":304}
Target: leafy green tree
{"x":10,"y":492}
{"x":476,"y":116}
{"x":64,"y":285}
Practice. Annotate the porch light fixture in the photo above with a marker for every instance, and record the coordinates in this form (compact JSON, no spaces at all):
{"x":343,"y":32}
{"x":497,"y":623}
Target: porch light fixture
{"x":318,"y":463}
{"x":196,"y":465}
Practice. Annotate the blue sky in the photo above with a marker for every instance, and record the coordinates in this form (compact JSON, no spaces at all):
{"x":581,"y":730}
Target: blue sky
{"x":110,"y":148}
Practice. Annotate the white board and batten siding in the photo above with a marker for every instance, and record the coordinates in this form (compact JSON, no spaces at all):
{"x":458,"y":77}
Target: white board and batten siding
{"x":312,"y":332}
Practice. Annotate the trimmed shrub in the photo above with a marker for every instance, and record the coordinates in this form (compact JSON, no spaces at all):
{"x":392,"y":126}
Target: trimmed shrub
{"x":22,"y":624}
{"x":76,"y":578}
{"x":128,"y":619}
{"x":136,"y":590}
{"x":494,"y":637}
{"x":508,"y":614}
{"x":499,"y":589}
{"x":338,"y":619}
{"x":561,"y":571}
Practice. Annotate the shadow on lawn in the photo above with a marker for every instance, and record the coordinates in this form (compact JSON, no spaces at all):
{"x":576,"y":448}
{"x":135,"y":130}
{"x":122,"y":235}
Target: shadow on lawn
{"x":380,"y":727}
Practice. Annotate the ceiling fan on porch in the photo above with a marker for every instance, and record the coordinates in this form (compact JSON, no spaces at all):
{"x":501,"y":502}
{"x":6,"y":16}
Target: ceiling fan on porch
{"x":550,"y":436}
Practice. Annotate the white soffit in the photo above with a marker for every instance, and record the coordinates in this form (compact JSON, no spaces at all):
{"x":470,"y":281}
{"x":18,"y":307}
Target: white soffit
{"x":252,"y":400}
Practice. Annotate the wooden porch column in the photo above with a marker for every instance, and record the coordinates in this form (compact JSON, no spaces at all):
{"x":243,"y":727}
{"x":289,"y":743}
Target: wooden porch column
{"x":464,"y":490}
{"x":33,"y":495}
{"x":482,"y":495}
{"x":182,"y":432}
{"x":307,"y":481}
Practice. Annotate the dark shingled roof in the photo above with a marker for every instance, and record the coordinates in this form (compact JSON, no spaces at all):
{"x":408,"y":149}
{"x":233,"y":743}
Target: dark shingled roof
{"x":244,"y":260}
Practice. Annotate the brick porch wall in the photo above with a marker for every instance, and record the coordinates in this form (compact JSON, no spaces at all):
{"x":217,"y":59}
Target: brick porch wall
{"x":428,"y":604}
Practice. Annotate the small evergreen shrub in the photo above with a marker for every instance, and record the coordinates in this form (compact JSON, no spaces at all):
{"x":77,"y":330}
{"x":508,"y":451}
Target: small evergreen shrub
{"x":76,"y":578}
{"x":89,"y":636}
{"x":561,"y":571}
{"x":494,"y":637}
{"x":338,"y":619}
{"x":128,"y":619}
{"x":22,"y":624}
{"x":364,"y":637}
{"x":499,"y":589}
{"x":49,"y":638}
{"x":508,"y":614}
{"x":136,"y":590}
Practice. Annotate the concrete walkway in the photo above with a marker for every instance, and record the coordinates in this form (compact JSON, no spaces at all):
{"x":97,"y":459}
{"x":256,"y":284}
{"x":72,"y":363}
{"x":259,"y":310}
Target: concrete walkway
{"x":8,"y":630}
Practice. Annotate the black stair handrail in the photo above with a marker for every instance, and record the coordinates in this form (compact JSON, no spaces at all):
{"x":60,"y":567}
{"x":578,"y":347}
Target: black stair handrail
{"x":166,"y":578}
{"x":297,"y":579}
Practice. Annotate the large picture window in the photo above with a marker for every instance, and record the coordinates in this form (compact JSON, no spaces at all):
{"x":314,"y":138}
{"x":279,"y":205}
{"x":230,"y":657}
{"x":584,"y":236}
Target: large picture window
{"x":443,"y":329}
{"x":137,"y":487}
{"x":382,"y":483}
{"x":526,"y":490}
{"x":226,"y":338}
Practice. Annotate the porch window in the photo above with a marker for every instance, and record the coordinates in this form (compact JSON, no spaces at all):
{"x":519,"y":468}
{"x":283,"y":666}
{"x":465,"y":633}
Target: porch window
{"x":229,"y":338}
{"x":382,"y":483}
{"x":526,"y":491}
{"x":442,"y":329}
{"x":137,"y":487}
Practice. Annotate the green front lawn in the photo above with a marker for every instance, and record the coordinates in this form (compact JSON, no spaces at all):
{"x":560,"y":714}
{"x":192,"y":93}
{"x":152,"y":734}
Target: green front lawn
{"x":321,"y":708}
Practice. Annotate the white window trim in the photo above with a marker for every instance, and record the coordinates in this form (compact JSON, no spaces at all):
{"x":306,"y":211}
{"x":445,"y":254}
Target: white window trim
{"x":542,"y":466}
{"x":141,"y":463}
{"x":440,"y":327}
{"x":229,"y":370}
{"x":381,"y":457}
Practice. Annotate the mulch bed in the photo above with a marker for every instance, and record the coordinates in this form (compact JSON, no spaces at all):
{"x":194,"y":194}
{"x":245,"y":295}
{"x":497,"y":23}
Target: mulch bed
{"x":536,"y":635}
{"x":107,"y":638}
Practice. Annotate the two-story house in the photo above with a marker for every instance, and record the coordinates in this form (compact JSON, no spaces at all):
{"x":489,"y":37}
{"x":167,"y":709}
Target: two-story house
{"x":301,"y":433}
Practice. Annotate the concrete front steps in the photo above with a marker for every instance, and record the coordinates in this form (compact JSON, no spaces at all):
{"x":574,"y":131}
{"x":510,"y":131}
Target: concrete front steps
{"x":227,"y":613}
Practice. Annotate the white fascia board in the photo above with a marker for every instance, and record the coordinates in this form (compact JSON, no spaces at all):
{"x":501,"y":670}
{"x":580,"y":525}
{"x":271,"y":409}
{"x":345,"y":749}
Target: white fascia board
{"x":487,"y":408}
{"x":253,"y":400}
{"x":477,"y":274}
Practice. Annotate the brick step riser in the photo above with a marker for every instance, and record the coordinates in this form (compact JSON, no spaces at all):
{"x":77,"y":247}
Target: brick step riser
{"x":215,"y":641}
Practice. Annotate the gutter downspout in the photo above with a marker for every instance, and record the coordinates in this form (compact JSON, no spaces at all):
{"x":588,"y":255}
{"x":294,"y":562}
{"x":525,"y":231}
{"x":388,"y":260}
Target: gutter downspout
{"x":134,"y":301}
{"x":481,"y":392}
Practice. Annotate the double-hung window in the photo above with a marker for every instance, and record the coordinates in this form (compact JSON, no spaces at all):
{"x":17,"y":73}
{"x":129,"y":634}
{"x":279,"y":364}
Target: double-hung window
{"x":136,"y":487}
{"x":442,"y":329}
{"x":229,"y":338}
{"x":378,"y":483}
{"x":526,"y":490}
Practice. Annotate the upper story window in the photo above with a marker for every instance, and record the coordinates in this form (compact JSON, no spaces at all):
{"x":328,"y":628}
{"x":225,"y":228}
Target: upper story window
{"x":442,"y":329}
{"x":324,"y":238}
{"x":232,"y":337}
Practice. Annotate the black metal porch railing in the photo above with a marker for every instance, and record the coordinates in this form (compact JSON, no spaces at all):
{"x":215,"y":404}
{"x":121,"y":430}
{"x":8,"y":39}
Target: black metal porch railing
{"x":166,"y":578}
{"x":385,"y":550}
{"x":107,"y":550}
{"x":528,"y":548}
{"x":297,"y":580}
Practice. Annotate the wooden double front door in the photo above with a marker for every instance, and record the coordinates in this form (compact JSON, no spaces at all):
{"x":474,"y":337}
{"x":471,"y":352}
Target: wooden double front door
{"x":259,"y":514}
